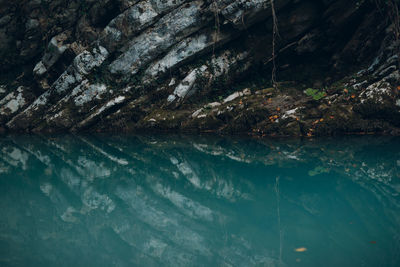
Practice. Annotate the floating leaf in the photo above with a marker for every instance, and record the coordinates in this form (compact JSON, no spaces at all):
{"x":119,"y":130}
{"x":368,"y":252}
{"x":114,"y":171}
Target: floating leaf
{"x":301,"y":249}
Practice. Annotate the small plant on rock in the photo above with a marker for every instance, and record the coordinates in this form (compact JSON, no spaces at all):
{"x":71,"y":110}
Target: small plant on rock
{"x":315,"y":93}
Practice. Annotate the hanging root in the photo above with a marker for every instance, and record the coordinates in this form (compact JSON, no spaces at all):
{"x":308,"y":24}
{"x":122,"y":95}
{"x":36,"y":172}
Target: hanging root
{"x":393,"y":6}
{"x":217,"y":23}
{"x":275,"y":34}
{"x":390,"y":8}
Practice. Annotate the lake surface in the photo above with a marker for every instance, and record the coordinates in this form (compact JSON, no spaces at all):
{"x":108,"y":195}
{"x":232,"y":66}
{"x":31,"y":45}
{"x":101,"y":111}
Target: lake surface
{"x":173,"y":200}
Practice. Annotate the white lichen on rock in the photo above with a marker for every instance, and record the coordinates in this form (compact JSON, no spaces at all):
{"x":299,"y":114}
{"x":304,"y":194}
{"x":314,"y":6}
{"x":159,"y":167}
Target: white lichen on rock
{"x":185,"y":88}
{"x":197,"y":113}
{"x":86,"y":61}
{"x":214,"y":68}
{"x":236,"y":95}
{"x":290,"y":114}
{"x":169,"y":30}
{"x":107,"y":106}
{"x":184,"y":50}
{"x":39,"y":69}
{"x":378,"y":91}
{"x":82,"y":65}
{"x":135,"y":19}
{"x":94,"y":91}
{"x":12,"y":102}
{"x":55,"y":50}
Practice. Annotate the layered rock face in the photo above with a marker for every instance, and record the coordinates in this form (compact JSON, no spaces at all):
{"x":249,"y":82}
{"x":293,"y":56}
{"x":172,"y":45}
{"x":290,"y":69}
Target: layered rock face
{"x":200,"y":65}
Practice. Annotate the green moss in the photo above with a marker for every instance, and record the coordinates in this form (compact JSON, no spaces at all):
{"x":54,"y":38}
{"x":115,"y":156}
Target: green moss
{"x":315,"y":94}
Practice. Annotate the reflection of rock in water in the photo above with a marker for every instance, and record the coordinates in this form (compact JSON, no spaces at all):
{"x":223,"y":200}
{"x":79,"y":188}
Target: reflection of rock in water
{"x":162,"y":200}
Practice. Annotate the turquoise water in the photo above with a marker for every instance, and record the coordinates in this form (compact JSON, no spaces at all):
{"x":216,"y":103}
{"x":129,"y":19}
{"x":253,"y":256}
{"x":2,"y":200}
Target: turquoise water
{"x":173,"y":200}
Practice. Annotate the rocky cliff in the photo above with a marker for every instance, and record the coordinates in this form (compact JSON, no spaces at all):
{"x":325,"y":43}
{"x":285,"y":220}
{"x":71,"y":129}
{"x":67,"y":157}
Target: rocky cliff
{"x":282,"y":67}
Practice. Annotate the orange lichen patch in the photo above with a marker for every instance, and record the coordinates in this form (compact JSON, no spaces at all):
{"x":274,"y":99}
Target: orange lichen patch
{"x":353,"y":96}
{"x":241,"y":102}
{"x":297,"y":119}
{"x":301,"y":249}
{"x":321,"y":120}
{"x":278,"y":109}
{"x":345,"y":90}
